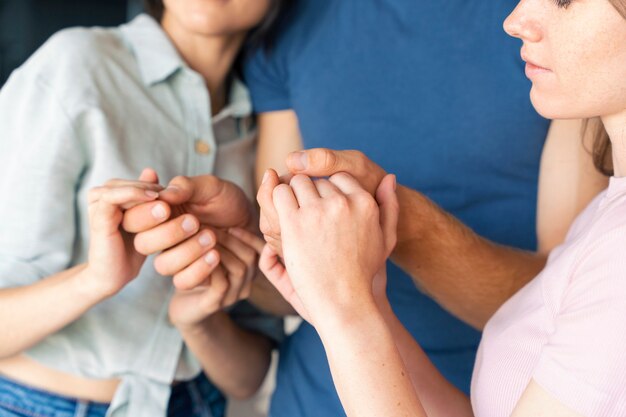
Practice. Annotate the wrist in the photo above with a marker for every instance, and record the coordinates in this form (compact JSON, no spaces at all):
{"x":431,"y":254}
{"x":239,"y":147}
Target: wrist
{"x":207,"y":325}
{"x":332,"y":316}
{"x":419,"y":217}
{"x":88,"y":287}
{"x":358,"y":321}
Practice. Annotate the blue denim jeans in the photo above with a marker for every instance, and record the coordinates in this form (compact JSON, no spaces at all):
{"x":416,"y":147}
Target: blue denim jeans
{"x":197,"y":398}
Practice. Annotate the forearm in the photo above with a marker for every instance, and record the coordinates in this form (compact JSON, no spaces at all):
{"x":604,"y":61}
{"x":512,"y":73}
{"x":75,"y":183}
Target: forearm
{"x":468,"y":275}
{"x":369,"y":374}
{"x":235,"y":360}
{"x":265,"y":297}
{"x":31,"y":313}
{"x":438,"y":396}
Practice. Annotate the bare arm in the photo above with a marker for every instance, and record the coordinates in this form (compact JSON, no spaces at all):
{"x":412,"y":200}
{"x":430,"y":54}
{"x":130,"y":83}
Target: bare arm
{"x":236,"y":360}
{"x":22,"y":309}
{"x":428,"y":237}
{"x":64,"y":297}
{"x":437,"y":250}
{"x":279,"y":135}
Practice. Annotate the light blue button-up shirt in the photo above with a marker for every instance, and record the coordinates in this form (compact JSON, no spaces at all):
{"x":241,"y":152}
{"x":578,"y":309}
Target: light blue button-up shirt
{"x":95,"y":104}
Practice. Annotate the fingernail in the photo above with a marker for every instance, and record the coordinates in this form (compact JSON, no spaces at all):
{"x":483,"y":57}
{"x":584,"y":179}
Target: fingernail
{"x":234,"y":231}
{"x":394,"y":183}
{"x":189,"y":225}
{"x":265,"y":176}
{"x":158,"y":211}
{"x":299,"y":161}
{"x":152,"y":194}
{"x":172,"y":188}
{"x":205,"y":239}
{"x":210,"y":258}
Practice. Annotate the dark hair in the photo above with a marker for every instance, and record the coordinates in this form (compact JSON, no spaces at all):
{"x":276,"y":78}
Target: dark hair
{"x":262,"y":36}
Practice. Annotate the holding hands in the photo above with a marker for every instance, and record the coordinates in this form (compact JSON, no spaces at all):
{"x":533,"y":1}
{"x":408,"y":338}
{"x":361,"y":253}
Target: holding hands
{"x":196,"y":225}
{"x":335,"y":237}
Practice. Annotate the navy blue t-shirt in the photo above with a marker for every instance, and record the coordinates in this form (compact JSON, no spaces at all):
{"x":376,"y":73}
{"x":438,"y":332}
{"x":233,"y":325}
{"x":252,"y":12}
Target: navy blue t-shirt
{"x":434,"y":92}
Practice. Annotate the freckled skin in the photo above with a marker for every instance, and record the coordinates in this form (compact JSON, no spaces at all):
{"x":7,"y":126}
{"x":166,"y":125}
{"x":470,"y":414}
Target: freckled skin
{"x":584,"y":45}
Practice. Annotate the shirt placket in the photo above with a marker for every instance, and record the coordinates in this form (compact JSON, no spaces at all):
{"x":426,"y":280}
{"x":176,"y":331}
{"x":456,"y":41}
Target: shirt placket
{"x":202,"y":146}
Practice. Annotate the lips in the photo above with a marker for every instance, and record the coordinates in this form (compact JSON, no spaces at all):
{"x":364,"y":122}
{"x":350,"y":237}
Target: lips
{"x":532,"y":68}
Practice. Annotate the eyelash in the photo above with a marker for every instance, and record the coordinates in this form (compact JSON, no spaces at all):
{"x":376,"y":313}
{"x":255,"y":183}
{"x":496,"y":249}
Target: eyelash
{"x":563,"y":3}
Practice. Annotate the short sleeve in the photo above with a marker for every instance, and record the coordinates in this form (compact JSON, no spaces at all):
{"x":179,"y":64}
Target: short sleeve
{"x":584,"y":363}
{"x":40,"y":165}
{"x":265,"y":74}
{"x":250,"y":318}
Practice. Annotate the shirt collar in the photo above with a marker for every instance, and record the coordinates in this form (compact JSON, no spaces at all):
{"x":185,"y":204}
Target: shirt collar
{"x":239,"y":103}
{"x":156,"y":55}
{"x":158,"y":59}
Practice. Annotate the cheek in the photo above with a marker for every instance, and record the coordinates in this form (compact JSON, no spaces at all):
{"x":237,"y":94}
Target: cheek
{"x":589,"y":76}
{"x":250,"y":13}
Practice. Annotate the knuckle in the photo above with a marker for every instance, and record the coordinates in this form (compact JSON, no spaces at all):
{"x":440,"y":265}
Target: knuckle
{"x":328,"y":158}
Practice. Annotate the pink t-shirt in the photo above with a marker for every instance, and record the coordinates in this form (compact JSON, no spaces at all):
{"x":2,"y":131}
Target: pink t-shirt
{"x":566,"y":329}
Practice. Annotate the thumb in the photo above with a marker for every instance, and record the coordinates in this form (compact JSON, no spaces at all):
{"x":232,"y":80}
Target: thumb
{"x":321,"y":162}
{"x":181,"y":189}
{"x":389,"y":210}
{"x":149,"y":175}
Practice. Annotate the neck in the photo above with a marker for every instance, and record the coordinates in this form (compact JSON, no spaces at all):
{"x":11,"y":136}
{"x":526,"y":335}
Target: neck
{"x":615,"y":126}
{"x":210,"y":56}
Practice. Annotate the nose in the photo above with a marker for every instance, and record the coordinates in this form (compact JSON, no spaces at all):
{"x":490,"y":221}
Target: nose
{"x":523,"y":23}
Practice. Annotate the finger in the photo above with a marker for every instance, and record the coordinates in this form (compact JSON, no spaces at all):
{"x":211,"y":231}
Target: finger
{"x":216,"y":290}
{"x":284,"y":200}
{"x":269,"y":217}
{"x":166,"y":235}
{"x":346,"y":183}
{"x":389,"y":209}
{"x":320,"y":162}
{"x":246,"y":253}
{"x":325,"y":188}
{"x":237,"y":272}
{"x":174,"y":260}
{"x":304,"y":190}
{"x":149,"y":175}
{"x":178,"y":191}
{"x":248,"y":238}
{"x":275,"y":271}
{"x":198,"y":272}
{"x":276,"y":244}
{"x":116,"y":182}
{"x":277,"y":275}
{"x":188,"y":189}
{"x":121,"y":195}
{"x":146,"y":216}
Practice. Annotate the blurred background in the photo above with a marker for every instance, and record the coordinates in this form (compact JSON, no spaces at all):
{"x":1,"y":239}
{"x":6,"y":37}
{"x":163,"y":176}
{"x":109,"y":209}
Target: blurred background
{"x":26,"y":24}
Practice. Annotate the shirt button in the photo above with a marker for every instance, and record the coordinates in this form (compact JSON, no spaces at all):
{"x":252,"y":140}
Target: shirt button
{"x":202,"y":147}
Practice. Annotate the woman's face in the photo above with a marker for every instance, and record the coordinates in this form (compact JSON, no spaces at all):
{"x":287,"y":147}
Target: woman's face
{"x":576,"y":56}
{"x":217,"y":17}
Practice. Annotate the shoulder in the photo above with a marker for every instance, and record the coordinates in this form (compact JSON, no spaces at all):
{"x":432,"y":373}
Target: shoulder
{"x":75,"y":58}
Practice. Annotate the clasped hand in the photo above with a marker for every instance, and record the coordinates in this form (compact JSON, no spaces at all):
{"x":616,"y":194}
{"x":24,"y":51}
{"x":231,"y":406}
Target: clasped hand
{"x":335,"y":239}
{"x":198,"y":226}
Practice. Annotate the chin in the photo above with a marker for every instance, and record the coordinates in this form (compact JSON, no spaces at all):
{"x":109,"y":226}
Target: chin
{"x":551,"y":107}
